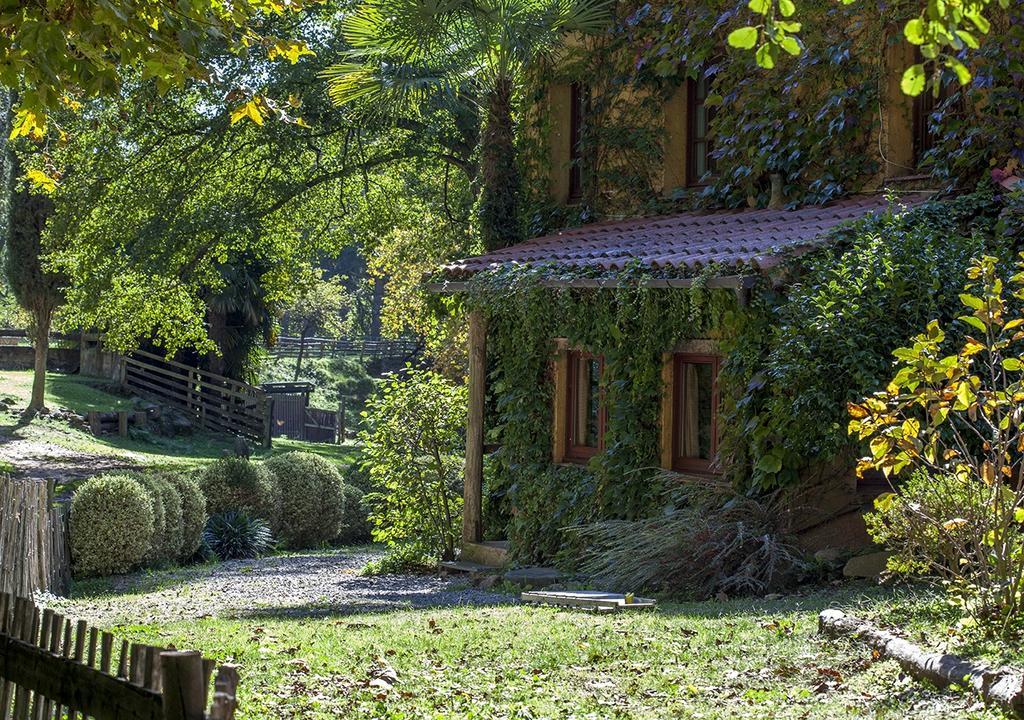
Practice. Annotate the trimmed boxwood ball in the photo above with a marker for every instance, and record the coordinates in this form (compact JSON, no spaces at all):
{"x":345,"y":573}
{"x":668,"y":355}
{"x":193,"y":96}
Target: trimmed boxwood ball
{"x":111,"y":525}
{"x":193,"y":514}
{"x":237,"y":484}
{"x":167,"y":518}
{"x":312,"y":500}
{"x":355,"y":525}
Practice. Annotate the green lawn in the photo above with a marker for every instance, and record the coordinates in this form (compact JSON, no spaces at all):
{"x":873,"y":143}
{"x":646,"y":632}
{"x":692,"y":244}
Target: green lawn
{"x":143,"y":449}
{"x":734,"y":659}
{"x":63,"y":390}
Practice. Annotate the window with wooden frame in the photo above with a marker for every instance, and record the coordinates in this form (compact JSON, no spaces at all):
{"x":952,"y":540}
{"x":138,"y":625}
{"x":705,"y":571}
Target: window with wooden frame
{"x":577,"y":118}
{"x":925,"y":106}
{"x":699,"y":159}
{"x":694,"y":412}
{"x":585,"y":413}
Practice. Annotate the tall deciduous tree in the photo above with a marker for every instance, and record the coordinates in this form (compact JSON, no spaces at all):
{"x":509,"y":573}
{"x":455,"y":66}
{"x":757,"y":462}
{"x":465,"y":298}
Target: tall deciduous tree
{"x":412,"y":55}
{"x":323,"y":307}
{"x":38,"y":290}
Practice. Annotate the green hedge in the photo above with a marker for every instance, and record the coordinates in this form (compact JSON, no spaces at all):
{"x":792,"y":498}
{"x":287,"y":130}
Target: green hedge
{"x":312,"y":499}
{"x":111,"y":525}
{"x":237,"y":484}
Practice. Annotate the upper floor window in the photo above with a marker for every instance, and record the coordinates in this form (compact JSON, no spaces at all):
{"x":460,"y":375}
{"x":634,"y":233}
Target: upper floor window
{"x":585,"y":406}
{"x":577,"y":118}
{"x":700,"y":162}
{"x":695,"y":412}
{"x":926,"y":135}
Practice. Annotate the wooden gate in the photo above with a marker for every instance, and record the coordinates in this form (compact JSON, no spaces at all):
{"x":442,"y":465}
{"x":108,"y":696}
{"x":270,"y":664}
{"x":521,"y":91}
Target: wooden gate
{"x":52,"y":668}
{"x":295,"y":418}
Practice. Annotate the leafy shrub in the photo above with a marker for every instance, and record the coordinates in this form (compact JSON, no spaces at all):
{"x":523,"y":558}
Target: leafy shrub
{"x":312,"y":501}
{"x":413,"y":449}
{"x":355,"y":525}
{"x":111,"y":525}
{"x":243,"y":486}
{"x":957,"y":420}
{"x":167,"y":519}
{"x":708,"y":540}
{"x":357,"y":475}
{"x":193,"y":514}
{"x":237,"y":536}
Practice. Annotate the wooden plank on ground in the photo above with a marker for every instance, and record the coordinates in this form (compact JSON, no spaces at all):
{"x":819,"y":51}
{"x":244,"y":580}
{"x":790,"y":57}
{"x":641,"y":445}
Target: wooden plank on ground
{"x":588,"y":599}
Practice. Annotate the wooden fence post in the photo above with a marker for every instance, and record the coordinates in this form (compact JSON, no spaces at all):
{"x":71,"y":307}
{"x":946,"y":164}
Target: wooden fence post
{"x":268,"y":419}
{"x":339,"y":423}
{"x":183,"y":687}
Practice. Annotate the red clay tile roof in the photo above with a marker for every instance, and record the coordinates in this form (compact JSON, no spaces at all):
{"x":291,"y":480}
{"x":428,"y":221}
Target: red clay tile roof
{"x":688,"y":241}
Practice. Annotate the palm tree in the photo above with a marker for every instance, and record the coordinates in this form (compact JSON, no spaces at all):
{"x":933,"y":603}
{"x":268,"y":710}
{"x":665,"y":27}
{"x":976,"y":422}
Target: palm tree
{"x":412,"y":55}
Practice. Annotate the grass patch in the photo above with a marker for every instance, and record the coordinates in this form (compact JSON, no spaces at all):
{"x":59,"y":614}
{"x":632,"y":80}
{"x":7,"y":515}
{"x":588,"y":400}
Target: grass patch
{"x":741,"y":658}
{"x":62,"y":390}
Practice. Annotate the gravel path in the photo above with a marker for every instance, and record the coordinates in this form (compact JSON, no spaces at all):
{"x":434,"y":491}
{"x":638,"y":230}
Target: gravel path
{"x":310,"y":585}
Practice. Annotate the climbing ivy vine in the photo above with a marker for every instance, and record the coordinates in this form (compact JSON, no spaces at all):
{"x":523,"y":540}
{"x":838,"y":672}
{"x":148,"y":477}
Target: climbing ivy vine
{"x":815,"y":334}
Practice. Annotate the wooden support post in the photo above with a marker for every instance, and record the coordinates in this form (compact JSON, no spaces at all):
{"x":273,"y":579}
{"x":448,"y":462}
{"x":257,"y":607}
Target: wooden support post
{"x":268,"y":420}
{"x":122,"y":423}
{"x":95,"y":424}
{"x":339,"y":424}
{"x":183,"y":686}
{"x":472,"y":528}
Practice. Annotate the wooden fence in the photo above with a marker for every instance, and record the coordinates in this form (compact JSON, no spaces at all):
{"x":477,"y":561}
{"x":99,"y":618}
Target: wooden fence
{"x":34,"y":554}
{"x":373,"y":348}
{"x":213,"y":401}
{"x":52,"y":668}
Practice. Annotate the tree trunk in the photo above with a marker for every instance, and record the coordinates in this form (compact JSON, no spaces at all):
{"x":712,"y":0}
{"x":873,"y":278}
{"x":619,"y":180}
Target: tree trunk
{"x":1002,"y":687}
{"x":302,"y":352}
{"x":498,"y":207}
{"x":42,"y":348}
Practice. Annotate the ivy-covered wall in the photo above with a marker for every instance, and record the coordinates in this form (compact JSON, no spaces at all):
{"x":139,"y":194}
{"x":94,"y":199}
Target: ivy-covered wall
{"x":831,"y":121}
{"x":815,"y":335}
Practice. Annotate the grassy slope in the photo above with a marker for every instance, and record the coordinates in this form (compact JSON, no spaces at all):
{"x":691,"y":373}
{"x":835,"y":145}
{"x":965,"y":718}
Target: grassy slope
{"x":84,"y":394}
{"x":743,"y":658}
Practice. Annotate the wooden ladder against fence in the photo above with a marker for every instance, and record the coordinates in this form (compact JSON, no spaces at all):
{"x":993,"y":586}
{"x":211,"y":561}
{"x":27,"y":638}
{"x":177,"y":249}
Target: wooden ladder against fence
{"x":213,"y":401}
{"x":52,"y":668}
{"x":34,"y":553}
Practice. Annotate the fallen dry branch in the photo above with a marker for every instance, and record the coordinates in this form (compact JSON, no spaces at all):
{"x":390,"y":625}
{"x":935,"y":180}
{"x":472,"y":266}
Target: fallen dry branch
{"x":1000,"y":687}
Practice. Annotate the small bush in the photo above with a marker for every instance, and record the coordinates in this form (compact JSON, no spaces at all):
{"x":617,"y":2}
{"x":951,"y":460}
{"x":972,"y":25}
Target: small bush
{"x":167,"y":517}
{"x":193,"y":514}
{"x":236,"y":484}
{"x":312,"y":500}
{"x":413,"y":446}
{"x":355,"y":525}
{"x":951,"y":416}
{"x":237,"y":536}
{"x":358,"y":475}
{"x":111,"y":525}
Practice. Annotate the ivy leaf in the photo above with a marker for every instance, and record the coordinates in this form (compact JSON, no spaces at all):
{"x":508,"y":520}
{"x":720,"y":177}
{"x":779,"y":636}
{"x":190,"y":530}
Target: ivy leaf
{"x":913,"y":31}
{"x":765,"y":56}
{"x":744,"y":37}
{"x":761,"y":7}
{"x":790,"y":45}
{"x":769,"y":464}
{"x":913,"y":80}
{"x":962,"y":73}
{"x":787,"y":8}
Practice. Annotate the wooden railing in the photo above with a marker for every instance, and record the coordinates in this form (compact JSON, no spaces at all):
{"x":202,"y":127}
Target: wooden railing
{"x":315,"y":347}
{"x":54,"y":668}
{"x":213,"y":401}
{"x":33,"y":539}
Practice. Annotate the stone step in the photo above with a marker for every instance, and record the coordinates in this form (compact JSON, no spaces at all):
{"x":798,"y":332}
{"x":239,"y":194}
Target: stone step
{"x":466,"y":567}
{"x":489,"y":552}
